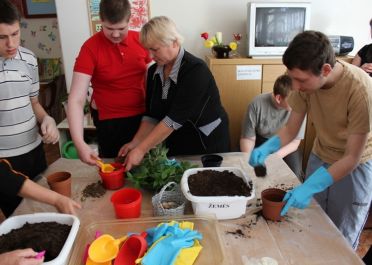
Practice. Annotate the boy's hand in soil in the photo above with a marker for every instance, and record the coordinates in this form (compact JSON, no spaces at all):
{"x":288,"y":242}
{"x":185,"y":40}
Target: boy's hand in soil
{"x":301,"y":195}
{"x":20,"y":257}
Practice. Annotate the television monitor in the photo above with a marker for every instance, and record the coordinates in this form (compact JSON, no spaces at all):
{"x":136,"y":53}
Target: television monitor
{"x":271,"y":26}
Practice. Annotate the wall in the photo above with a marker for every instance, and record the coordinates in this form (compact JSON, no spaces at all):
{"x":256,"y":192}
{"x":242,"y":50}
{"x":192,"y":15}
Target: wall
{"x":73,"y":23}
{"x":333,"y":17}
{"x":41,"y":36}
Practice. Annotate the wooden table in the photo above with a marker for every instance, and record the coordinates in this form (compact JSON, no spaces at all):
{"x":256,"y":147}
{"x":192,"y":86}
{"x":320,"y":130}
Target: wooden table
{"x":303,"y":237}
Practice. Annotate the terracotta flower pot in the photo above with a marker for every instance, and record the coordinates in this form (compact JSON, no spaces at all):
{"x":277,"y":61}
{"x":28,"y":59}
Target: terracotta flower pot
{"x":60,"y":182}
{"x":272,"y":203}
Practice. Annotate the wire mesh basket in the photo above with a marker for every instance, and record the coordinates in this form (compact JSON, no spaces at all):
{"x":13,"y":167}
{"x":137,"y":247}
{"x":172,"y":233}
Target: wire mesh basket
{"x":169,"y":202}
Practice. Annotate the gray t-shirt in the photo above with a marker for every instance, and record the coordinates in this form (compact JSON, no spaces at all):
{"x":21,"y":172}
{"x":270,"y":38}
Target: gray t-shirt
{"x":264,"y":119}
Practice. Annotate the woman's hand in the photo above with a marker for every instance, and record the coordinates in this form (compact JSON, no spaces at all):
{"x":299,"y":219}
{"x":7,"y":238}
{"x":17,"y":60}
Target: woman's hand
{"x":125,"y":149}
{"x":134,"y":158}
{"x":20,"y":257}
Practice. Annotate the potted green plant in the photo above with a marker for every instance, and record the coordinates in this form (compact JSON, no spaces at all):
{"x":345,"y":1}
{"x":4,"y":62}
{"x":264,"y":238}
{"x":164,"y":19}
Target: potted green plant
{"x":156,"y":170}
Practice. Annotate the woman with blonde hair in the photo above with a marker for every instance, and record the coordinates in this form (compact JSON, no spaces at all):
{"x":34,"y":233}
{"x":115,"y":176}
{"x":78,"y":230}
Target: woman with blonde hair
{"x":183,"y":106}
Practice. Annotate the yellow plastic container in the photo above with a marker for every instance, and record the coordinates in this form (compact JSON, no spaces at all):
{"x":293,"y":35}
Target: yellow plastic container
{"x":212,"y":252}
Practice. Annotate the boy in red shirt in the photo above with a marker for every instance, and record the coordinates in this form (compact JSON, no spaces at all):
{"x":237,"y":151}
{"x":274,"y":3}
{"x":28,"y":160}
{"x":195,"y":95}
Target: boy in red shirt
{"x":115,"y":63}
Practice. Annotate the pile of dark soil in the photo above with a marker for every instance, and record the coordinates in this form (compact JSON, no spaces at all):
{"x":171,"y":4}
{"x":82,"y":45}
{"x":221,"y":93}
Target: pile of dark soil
{"x":217,"y":183}
{"x":48,"y":236}
{"x":95,"y":190}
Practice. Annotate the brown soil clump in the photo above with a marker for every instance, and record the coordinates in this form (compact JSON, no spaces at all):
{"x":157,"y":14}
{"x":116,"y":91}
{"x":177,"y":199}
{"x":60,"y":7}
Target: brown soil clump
{"x":95,"y":190}
{"x":48,"y":236}
{"x":217,"y":183}
{"x":237,"y":232}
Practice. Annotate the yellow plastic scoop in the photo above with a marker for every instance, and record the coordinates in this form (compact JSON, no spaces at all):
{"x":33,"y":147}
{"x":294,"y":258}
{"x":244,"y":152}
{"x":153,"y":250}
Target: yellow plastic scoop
{"x":91,"y":262}
{"x":105,"y":168}
{"x":105,"y":248}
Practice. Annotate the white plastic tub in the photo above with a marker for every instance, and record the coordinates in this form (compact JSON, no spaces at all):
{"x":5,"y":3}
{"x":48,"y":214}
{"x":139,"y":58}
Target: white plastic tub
{"x":224,"y":207}
{"x":18,"y":221}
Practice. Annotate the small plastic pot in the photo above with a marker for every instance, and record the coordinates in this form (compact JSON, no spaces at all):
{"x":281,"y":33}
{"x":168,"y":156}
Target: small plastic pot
{"x":127,"y":203}
{"x":60,"y":182}
{"x":272,"y":203}
{"x":69,"y":150}
{"x":113,"y":180}
{"x":260,"y":171}
{"x":211,"y":160}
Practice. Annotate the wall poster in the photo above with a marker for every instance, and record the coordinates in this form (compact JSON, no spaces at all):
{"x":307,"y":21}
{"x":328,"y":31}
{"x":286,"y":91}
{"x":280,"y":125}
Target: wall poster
{"x":140,"y":14}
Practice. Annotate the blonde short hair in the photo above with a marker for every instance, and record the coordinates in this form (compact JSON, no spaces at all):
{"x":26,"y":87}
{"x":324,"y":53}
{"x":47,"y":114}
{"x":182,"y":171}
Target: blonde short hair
{"x":160,"y":29}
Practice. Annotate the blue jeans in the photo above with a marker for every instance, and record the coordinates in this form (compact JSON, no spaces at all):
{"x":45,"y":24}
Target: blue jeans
{"x":347,"y":201}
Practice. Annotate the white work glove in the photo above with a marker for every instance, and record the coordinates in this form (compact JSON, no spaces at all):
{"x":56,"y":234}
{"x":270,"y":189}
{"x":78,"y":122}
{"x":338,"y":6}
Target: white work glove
{"x":49,"y":130}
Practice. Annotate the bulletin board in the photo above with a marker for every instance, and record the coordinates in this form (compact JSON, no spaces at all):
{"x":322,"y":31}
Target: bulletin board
{"x":140,"y":10}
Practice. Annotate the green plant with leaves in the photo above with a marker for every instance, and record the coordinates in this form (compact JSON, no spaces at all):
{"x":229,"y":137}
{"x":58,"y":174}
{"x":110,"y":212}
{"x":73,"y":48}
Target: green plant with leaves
{"x":156,"y":170}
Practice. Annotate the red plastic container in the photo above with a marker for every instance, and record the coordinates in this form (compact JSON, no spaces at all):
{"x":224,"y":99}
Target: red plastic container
{"x":115,"y":179}
{"x":127,"y":203}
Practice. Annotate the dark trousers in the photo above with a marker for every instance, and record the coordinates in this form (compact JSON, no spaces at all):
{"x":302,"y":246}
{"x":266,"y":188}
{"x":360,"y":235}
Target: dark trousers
{"x":30,"y":164}
{"x":293,"y":160}
{"x":112,"y":134}
{"x":368,"y":257}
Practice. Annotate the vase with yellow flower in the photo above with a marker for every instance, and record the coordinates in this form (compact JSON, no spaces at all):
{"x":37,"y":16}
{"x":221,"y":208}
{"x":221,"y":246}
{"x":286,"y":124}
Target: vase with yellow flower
{"x":215,"y":43}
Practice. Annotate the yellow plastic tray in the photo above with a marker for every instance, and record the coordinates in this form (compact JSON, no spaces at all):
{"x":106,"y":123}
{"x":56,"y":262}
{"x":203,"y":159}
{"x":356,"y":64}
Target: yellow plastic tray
{"x":212,"y":252}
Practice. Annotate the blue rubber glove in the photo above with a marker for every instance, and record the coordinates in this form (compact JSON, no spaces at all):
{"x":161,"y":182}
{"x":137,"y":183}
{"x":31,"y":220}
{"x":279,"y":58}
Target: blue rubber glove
{"x":300,"y":196}
{"x":166,"y":250}
{"x":172,"y":162}
{"x":154,"y":233}
{"x":260,"y":153}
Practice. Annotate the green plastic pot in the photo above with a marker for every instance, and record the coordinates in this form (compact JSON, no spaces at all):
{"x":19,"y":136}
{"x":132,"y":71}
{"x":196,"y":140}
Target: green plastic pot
{"x":69,"y":150}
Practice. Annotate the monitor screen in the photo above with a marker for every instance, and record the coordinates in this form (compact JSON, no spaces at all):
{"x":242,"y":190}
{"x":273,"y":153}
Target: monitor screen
{"x":276,"y":26}
{"x":272,"y":26}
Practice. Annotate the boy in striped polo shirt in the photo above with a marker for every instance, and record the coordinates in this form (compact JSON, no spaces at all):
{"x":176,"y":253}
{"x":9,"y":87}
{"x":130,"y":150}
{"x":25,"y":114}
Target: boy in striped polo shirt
{"x":20,"y":110}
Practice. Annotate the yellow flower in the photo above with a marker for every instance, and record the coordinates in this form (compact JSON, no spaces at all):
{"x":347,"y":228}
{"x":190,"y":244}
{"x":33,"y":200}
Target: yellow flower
{"x":233,"y":45}
{"x":208,"y":44}
{"x":214,"y":40}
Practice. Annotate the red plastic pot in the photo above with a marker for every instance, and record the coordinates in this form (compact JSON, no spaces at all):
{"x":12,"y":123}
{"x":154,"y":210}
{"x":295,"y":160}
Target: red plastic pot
{"x":127,"y":203}
{"x":115,"y":179}
{"x":272,"y":203}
